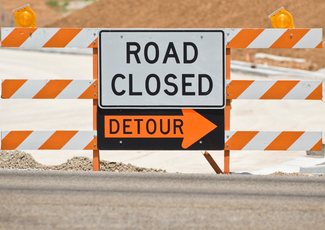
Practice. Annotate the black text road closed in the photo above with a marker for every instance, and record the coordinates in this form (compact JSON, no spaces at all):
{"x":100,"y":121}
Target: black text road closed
{"x":161,"y":69}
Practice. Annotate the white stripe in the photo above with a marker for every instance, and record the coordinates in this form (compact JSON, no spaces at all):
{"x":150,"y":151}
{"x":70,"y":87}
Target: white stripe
{"x":84,"y":38}
{"x":4,"y":134}
{"x":231,"y":33}
{"x":228,"y":135}
{"x":306,"y":141}
{"x":261,"y":140}
{"x":40,"y":37}
{"x":35,"y":140}
{"x":310,"y":40}
{"x":29,"y":89}
{"x":80,"y":140}
{"x":267,"y":38}
{"x":75,"y":89}
{"x":5,"y":32}
{"x":302,"y":90}
{"x":256,"y":90}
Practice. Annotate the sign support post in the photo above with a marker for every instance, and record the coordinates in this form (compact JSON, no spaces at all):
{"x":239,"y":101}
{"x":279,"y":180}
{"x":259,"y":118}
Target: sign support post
{"x":227,"y":115}
{"x":96,"y":160}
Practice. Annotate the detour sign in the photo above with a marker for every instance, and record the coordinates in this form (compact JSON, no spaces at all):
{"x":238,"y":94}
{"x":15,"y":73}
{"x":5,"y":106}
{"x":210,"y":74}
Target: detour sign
{"x":168,"y":129}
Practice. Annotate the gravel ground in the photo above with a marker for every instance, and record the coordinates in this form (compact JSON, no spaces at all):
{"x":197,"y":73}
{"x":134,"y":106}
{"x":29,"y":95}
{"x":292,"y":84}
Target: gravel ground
{"x":294,"y":174}
{"x":22,"y":160}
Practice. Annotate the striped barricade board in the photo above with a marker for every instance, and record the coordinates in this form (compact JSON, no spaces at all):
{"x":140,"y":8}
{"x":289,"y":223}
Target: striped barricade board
{"x":49,"y":140}
{"x":234,"y":140}
{"x":49,"y":89}
{"x":88,"y":38}
{"x":274,"y":89}
{"x":236,"y":89}
{"x":272,"y":140}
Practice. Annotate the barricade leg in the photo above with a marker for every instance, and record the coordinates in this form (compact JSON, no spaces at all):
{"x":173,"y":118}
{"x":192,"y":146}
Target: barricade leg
{"x":213,"y":164}
{"x":96,"y":160}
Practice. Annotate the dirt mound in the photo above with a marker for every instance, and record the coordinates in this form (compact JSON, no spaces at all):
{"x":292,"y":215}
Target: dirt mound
{"x":204,"y":14}
{"x":22,"y":160}
{"x":17,"y":159}
{"x":47,"y":11}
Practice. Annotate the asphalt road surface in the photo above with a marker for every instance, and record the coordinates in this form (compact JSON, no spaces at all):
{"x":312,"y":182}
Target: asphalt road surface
{"x":102,"y":200}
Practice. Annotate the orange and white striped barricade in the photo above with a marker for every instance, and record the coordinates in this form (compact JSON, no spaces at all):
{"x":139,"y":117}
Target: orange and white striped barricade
{"x":234,"y":140}
{"x":272,"y":140}
{"x":87,"y":89}
{"x":49,"y":140}
{"x":88,"y":38}
{"x":274,"y":90}
{"x":49,"y":89}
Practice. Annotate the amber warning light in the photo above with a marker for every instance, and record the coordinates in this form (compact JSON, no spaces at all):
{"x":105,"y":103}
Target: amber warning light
{"x":25,"y":16}
{"x":281,"y":19}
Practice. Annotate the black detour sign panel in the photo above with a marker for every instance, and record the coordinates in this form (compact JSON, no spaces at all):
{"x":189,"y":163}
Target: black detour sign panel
{"x":185,"y":129}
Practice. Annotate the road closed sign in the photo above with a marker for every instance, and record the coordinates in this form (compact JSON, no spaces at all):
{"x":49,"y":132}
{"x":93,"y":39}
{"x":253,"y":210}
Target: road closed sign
{"x":170,"y":69}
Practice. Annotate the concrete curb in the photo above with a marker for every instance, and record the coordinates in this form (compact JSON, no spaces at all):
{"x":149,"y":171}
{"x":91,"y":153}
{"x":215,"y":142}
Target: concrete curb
{"x":316,"y":170}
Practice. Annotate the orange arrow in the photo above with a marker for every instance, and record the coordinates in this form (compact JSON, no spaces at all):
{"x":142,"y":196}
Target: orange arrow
{"x":190,"y":126}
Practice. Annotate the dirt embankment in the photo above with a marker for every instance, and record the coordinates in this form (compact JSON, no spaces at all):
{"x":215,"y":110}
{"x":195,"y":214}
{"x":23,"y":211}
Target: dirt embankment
{"x":45,"y":14}
{"x":206,"y":14}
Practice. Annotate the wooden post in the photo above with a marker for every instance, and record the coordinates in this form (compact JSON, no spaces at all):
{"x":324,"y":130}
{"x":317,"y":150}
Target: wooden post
{"x":227,"y":115}
{"x":96,"y":160}
{"x":213,"y":164}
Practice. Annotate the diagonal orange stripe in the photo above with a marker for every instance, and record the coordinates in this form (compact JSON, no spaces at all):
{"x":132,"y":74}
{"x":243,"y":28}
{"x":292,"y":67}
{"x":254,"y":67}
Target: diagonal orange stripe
{"x":320,"y":45}
{"x":289,"y":38}
{"x":244,"y":38}
{"x":58,"y":139}
{"x":17,"y":37}
{"x":9,"y":87}
{"x":237,"y":87}
{"x":62,"y":37}
{"x":91,"y":92}
{"x":94,"y":44}
{"x":52,"y":89}
{"x":317,"y":94}
{"x":279,"y":89}
{"x":284,"y":141}
{"x":318,"y":146}
{"x":91,"y":146}
{"x":240,"y":139}
{"x":14,"y":139}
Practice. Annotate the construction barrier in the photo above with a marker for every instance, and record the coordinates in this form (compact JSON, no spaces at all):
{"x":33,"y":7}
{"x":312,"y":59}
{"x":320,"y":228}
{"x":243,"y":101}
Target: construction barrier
{"x":88,"y":38}
{"x":236,"y":89}
{"x":86,"y":140}
{"x":88,"y":89}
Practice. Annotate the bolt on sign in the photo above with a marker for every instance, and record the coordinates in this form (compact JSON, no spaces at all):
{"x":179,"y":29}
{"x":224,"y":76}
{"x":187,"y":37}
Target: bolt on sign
{"x":161,"y":89}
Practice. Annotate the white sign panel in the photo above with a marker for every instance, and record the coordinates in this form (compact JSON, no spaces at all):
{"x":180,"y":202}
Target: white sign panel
{"x":172,"y":69}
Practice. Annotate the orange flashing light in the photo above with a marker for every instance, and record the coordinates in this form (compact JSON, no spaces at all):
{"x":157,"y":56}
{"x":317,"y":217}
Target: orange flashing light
{"x":281,"y":19}
{"x":25,"y":16}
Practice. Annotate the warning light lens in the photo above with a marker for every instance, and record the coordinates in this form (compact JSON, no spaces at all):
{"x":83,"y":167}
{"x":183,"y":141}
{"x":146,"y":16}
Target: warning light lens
{"x":25,"y":16}
{"x":281,"y":19}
